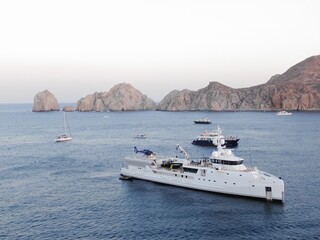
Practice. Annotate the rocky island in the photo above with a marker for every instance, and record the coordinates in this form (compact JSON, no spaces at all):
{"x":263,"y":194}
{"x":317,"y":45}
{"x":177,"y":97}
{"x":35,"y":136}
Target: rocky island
{"x":121,"y":97}
{"x":45,"y":101}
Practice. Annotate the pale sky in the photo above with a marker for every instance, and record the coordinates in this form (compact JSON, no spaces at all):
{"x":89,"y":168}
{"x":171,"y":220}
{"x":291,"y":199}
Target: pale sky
{"x":77,"y":47}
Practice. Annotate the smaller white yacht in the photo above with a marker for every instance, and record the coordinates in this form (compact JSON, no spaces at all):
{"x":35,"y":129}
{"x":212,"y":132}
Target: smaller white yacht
{"x":283,"y":113}
{"x":222,"y":172}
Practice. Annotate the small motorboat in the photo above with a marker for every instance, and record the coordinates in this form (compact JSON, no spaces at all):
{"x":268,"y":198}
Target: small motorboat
{"x":140,"y":136}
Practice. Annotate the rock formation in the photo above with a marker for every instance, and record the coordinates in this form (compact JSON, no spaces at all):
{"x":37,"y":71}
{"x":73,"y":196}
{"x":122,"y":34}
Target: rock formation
{"x":121,"y":97}
{"x":68,"y":108}
{"x":296,"y":89}
{"x":45,"y":101}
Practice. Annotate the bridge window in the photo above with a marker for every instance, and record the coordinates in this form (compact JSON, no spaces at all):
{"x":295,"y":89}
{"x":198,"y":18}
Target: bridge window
{"x":226,"y":162}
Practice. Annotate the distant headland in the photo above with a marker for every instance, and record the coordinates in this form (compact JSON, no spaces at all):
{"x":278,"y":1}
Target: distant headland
{"x":297,"y":89}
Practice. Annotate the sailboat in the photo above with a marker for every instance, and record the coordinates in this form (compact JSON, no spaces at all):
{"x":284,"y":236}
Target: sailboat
{"x":65,"y":137}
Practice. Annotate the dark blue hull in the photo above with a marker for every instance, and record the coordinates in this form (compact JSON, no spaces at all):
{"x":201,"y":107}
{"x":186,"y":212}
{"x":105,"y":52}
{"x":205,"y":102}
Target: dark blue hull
{"x":230,"y":143}
{"x":201,"y":122}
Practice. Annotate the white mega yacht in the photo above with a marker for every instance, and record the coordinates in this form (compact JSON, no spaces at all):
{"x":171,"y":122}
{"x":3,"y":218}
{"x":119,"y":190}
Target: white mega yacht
{"x":222,"y":172}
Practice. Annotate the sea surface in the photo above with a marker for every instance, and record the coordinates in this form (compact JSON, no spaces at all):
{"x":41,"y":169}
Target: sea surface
{"x":72,"y":190}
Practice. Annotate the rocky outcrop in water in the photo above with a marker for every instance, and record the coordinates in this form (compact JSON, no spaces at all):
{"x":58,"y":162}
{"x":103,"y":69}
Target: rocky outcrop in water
{"x":122,"y":97}
{"x":45,"y":101}
{"x":296,"y":89}
{"x":68,"y":108}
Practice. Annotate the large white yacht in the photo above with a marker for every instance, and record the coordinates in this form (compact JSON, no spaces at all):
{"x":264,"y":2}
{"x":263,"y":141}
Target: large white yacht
{"x":222,"y":172}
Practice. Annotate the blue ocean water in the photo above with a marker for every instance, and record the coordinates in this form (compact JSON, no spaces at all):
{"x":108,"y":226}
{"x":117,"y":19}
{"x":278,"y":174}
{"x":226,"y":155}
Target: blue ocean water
{"x":72,"y":190}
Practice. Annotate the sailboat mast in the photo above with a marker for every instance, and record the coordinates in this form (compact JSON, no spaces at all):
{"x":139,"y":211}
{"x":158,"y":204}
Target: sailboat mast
{"x":66,"y":125}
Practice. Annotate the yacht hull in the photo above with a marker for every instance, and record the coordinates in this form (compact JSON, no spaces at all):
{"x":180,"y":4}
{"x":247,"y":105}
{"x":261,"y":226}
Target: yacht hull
{"x":210,"y":143}
{"x":253,"y":184}
{"x":65,"y":139}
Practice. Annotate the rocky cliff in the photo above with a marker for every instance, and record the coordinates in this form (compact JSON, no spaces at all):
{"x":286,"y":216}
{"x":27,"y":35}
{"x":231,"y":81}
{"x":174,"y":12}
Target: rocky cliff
{"x":45,"y":101}
{"x":122,"y":97}
{"x":296,"y":89}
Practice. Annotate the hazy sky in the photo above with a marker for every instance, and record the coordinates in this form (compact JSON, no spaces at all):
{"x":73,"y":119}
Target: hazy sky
{"x":77,"y":47}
